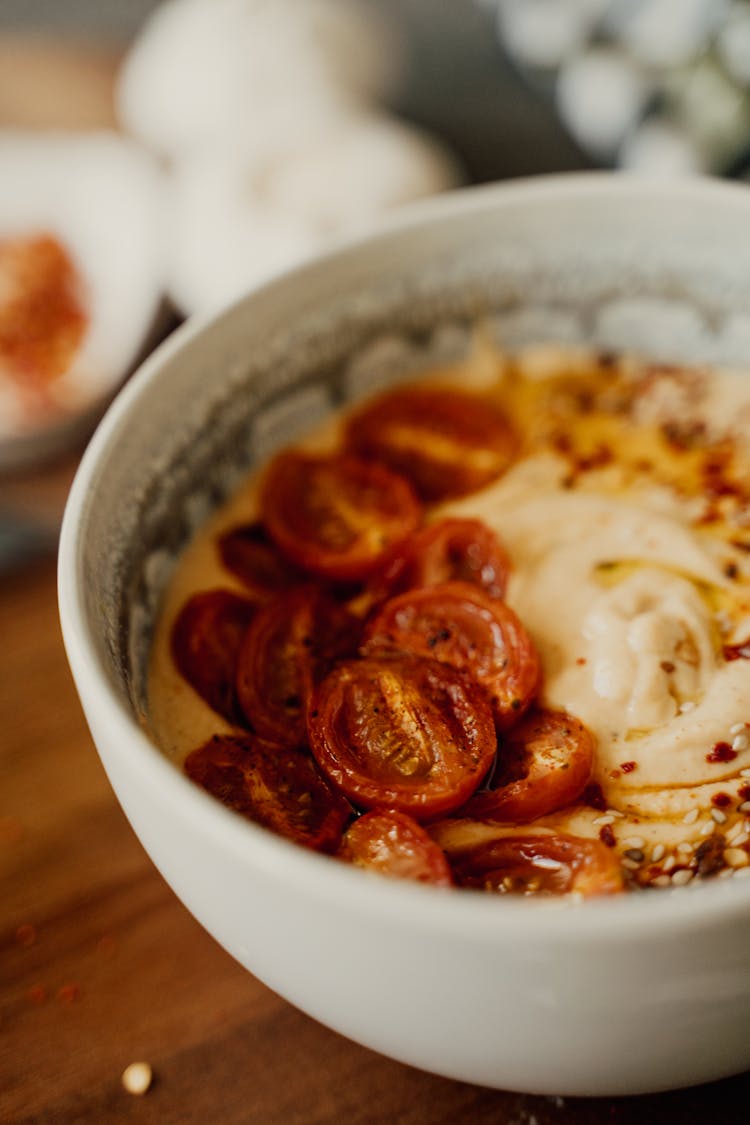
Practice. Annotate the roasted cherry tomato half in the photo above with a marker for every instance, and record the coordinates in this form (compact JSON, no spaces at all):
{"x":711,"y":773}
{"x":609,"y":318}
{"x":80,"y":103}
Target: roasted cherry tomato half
{"x":248,"y":552}
{"x":403,"y":733}
{"x":539,"y":865}
{"x":449,"y":550}
{"x":292,"y":642}
{"x":206,"y":639}
{"x":276,"y":787}
{"x":459,"y":625}
{"x":336,"y":516}
{"x":394,"y":844}
{"x":447,"y":442}
{"x":543,"y":764}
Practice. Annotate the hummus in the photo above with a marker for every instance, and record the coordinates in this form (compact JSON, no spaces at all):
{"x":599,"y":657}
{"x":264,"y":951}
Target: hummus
{"x":627,"y":518}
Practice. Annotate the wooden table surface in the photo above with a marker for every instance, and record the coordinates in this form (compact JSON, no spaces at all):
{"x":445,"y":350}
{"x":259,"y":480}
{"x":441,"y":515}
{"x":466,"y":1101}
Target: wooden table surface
{"x":100,"y":964}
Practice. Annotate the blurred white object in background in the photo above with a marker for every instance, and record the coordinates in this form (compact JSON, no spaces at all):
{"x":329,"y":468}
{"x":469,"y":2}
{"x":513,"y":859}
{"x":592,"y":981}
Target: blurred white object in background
{"x":733,"y":43}
{"x":542,"y":33}
{"x":236,"y":221}
{"x":658,"y":85}
{"x":83,"y":212}
{"x":660,"y":147}
{"x":665,"y":33}
{"x":600,"y":94}
{"x":269,"y":113}
{"x":203,"y":70}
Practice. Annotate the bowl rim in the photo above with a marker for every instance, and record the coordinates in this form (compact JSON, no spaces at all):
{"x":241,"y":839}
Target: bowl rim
{"x":309,"y":873}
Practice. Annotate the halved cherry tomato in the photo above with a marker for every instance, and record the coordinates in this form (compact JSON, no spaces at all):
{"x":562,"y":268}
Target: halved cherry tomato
{"x":539,"y":865}
{"x":403,"y":733}
{"x":447,"y":442}
{"x":292,"y":642}
{"x":459,"y":625}
{"x":336,"y":516}
{"x":449,"y":550}
{"x":251,"y":555}
{"x":206,"y":639}
{"x":276,"y":787}
{"x":544,"y":763}
{"x":394,"y":844}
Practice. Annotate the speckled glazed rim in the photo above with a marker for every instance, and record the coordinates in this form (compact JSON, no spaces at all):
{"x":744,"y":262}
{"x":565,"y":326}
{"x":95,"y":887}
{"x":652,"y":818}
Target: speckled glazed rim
{"x":684,"y":909}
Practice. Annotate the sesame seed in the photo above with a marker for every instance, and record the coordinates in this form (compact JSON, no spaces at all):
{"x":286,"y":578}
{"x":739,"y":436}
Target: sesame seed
{"x":736,"y":857}
{"x":742,"y":872}
{"x":631,"y":864}
{"x":604,"y":820}
{"x":657,"y":853}
{"x":741,"y":742}
{"x":688,"y":705}
{"x":735,"y":831}
{"x":681,"y":877}
{"x":707,"y":828}
{"x":669,"y":863}
{"x":685,"y":847}
{"x":719,"y":816}
{"x":737,"y":728}
{"x":636,"y":855}
{"x":744,"y":807}
{"x":615,"y":812}
{"x":661,"y":881}
{"x":634,"y":842}
{"x":745,"y":773}
{"x":690,"y":817}
{"x":137,"y":1077}
{"x":741,"y":839}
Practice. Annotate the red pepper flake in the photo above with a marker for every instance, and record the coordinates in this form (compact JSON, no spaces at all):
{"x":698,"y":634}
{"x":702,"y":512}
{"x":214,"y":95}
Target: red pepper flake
{"x":37,"y":994}
{"x":581,"y":660}
{"x":594,"y":797}
{"x":744,"y":792}
{"x":628,"y":767}
{"x":737,"y":652}
{"x":614,"y":774}
{"x":607,"y":836}
{"x":69,"y":993}
{"x":667,"y":666}
{"x":722,"y":752}
{"x":721,"y":800}
{"x":731,"y":570}
{"x":25,"y":935}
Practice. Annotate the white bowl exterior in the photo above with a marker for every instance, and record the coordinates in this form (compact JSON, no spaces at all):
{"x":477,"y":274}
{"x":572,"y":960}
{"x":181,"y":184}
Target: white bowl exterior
{"x":609,"y":997}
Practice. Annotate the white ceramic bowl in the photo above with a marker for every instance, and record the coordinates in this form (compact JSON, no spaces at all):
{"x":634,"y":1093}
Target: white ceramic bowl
{"x":634,"y":994}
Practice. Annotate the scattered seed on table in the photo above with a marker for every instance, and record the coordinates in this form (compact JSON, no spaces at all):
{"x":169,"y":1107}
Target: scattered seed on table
{"x":137,"y":1078}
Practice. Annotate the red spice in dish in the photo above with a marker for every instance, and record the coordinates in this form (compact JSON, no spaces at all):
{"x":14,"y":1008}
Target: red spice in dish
{"x":721,"y":752}
{"x":42,"y":313}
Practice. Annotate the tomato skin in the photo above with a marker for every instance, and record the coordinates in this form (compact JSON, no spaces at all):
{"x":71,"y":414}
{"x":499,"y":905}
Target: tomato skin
{"x":403,"y":733}
{"x":292,"y":642}
{"x":206,"y":638}
{"x":394,"y":844}
{"x":336,"y":516}
{"x":552,"y":864}
{"x":447,"y":442}
{"x":458,"y":625}
{"x":279,"y":788}
{"x":449,"y":550}
{"x":543,"y":764}
{"x":248,"y":552}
